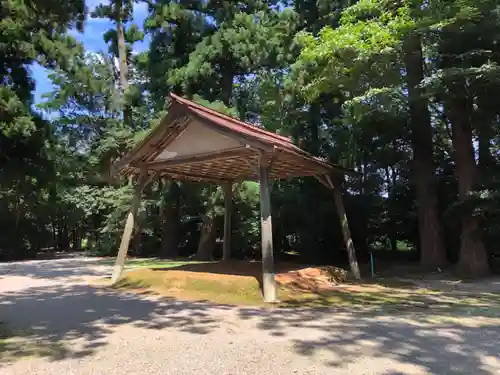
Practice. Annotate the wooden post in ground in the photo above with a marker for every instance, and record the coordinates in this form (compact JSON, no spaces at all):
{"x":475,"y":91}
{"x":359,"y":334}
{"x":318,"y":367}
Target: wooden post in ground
{"x":228,"y":208}
{"x":268,"y":281}
{"x":346,"y":232}
{"x":129,"y":227}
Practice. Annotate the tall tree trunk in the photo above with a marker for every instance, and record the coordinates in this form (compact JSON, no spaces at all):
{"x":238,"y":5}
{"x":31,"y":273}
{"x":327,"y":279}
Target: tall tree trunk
{"x":171,"y":223}
{"x":208,"y":230}
{"x":346,"y":232}
{"x":122,"y":54}
{"x":63,"y":234}
{"x":314,"y":124}
{"x":393,"y":235}
{"x":431,"y":237}
{"x":227,"y":86}
{"x":122,"y":61}
{"x":74,"y":239}
{"x":136,"y":241}
{"x":78,"y":238}
{"x":208,"y":236}
{"x":54,"y":233}
{"x":473,"y":260}
{"x":486,"y":159}
{"x":57,"y":245}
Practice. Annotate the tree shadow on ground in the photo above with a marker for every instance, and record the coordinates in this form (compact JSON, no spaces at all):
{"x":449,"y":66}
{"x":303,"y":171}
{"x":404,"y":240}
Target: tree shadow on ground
{"x":380,"y":300}
{"x":436,"y":343}
{"x":443,"y":331}
{"x":75,"y":320}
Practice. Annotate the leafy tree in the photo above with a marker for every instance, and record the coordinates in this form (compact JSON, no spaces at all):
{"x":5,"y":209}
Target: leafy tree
{"x":31,"y":33}
{"x":403,"y":93}
{"x":375,"y":40}
{"x":461,"y":81}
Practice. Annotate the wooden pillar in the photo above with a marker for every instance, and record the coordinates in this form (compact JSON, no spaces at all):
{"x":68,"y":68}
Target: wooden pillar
{"x":346,"y":232}
{"x":268,"y":281}
{"x":129,"y":227}
{"x":228,"y":208}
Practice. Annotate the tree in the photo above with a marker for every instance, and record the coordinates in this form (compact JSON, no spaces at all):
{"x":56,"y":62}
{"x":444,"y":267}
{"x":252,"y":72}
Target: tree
{"x":362,"y":55}
{"x":465,"y":71}
{"x":217,"y":52}
{"x":32,"y":33}
{"x":432,"y":251}
{"x":216,"y":55}
{"x":121,"y":39}
{"x":403,"y":93}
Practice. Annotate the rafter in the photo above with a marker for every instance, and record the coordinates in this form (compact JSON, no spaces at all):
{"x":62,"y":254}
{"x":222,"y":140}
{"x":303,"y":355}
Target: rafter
{"x":208,"y":156}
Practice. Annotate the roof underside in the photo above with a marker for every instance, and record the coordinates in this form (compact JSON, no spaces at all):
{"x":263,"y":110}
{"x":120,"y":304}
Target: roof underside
{"x":197,"y":144}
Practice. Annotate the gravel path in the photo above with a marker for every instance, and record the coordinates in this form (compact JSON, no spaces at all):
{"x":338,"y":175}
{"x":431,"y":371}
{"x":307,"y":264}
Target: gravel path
{"x":78,"y":329}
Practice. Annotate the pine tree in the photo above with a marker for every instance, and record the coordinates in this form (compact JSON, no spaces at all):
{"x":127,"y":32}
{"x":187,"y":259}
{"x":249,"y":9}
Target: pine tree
{"x":31,"y":33}
{"x":121,"y":39}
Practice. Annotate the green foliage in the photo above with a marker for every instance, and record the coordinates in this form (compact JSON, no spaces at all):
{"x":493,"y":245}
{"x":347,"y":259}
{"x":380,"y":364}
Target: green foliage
{"x":216,"y":106}
{"x":31,"y":33}
{"x":332,"y":75}
{"x":224,"y":42}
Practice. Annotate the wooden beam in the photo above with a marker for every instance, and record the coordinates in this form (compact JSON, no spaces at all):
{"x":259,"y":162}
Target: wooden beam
{"x":346,"y":232}
{"x":253,"y":168}
{"x":129,"y":226}
{"x":207,"y":156}
{"x":265,"y":158}
{"x":268,"y":280}
{"x":193,"y":177}
{"x":270,"y":162}
{"x":323,"y":182}
{"x":228,"y":208}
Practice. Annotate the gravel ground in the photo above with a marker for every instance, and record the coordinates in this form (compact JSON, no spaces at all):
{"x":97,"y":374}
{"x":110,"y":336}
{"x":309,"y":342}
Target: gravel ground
{"x":73,"y":328}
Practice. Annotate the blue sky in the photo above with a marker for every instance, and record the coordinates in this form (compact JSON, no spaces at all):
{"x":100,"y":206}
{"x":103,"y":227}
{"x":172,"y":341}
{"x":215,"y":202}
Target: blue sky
{"x":92,"y":39}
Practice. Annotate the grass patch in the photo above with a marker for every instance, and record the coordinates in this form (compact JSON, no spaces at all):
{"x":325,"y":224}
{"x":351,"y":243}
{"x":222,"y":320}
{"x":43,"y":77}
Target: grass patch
{"x":377,"y":298}
{"x":194,"y":286}
{"x":389,"y":297}
{"x":150,"y":263}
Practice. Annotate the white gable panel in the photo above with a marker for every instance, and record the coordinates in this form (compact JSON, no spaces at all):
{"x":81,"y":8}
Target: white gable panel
{"x":197,"y":139}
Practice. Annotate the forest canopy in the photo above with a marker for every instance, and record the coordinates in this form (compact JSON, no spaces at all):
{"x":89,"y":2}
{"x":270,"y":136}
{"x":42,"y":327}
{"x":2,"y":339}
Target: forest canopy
{"x":404,"y":93}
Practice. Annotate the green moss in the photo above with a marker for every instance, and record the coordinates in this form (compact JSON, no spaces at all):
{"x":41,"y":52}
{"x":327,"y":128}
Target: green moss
{"x":245,"y":291}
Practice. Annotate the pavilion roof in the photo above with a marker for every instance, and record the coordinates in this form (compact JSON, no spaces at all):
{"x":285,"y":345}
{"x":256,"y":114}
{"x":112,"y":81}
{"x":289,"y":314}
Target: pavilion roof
{"x":196,"y":143}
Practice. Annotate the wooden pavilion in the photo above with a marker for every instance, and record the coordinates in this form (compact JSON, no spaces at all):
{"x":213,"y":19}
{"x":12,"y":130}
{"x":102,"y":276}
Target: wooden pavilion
{"x":194,"y":143}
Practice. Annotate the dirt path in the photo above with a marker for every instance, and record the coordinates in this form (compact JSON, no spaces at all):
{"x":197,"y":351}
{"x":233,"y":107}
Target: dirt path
{"x":69,"y":327}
